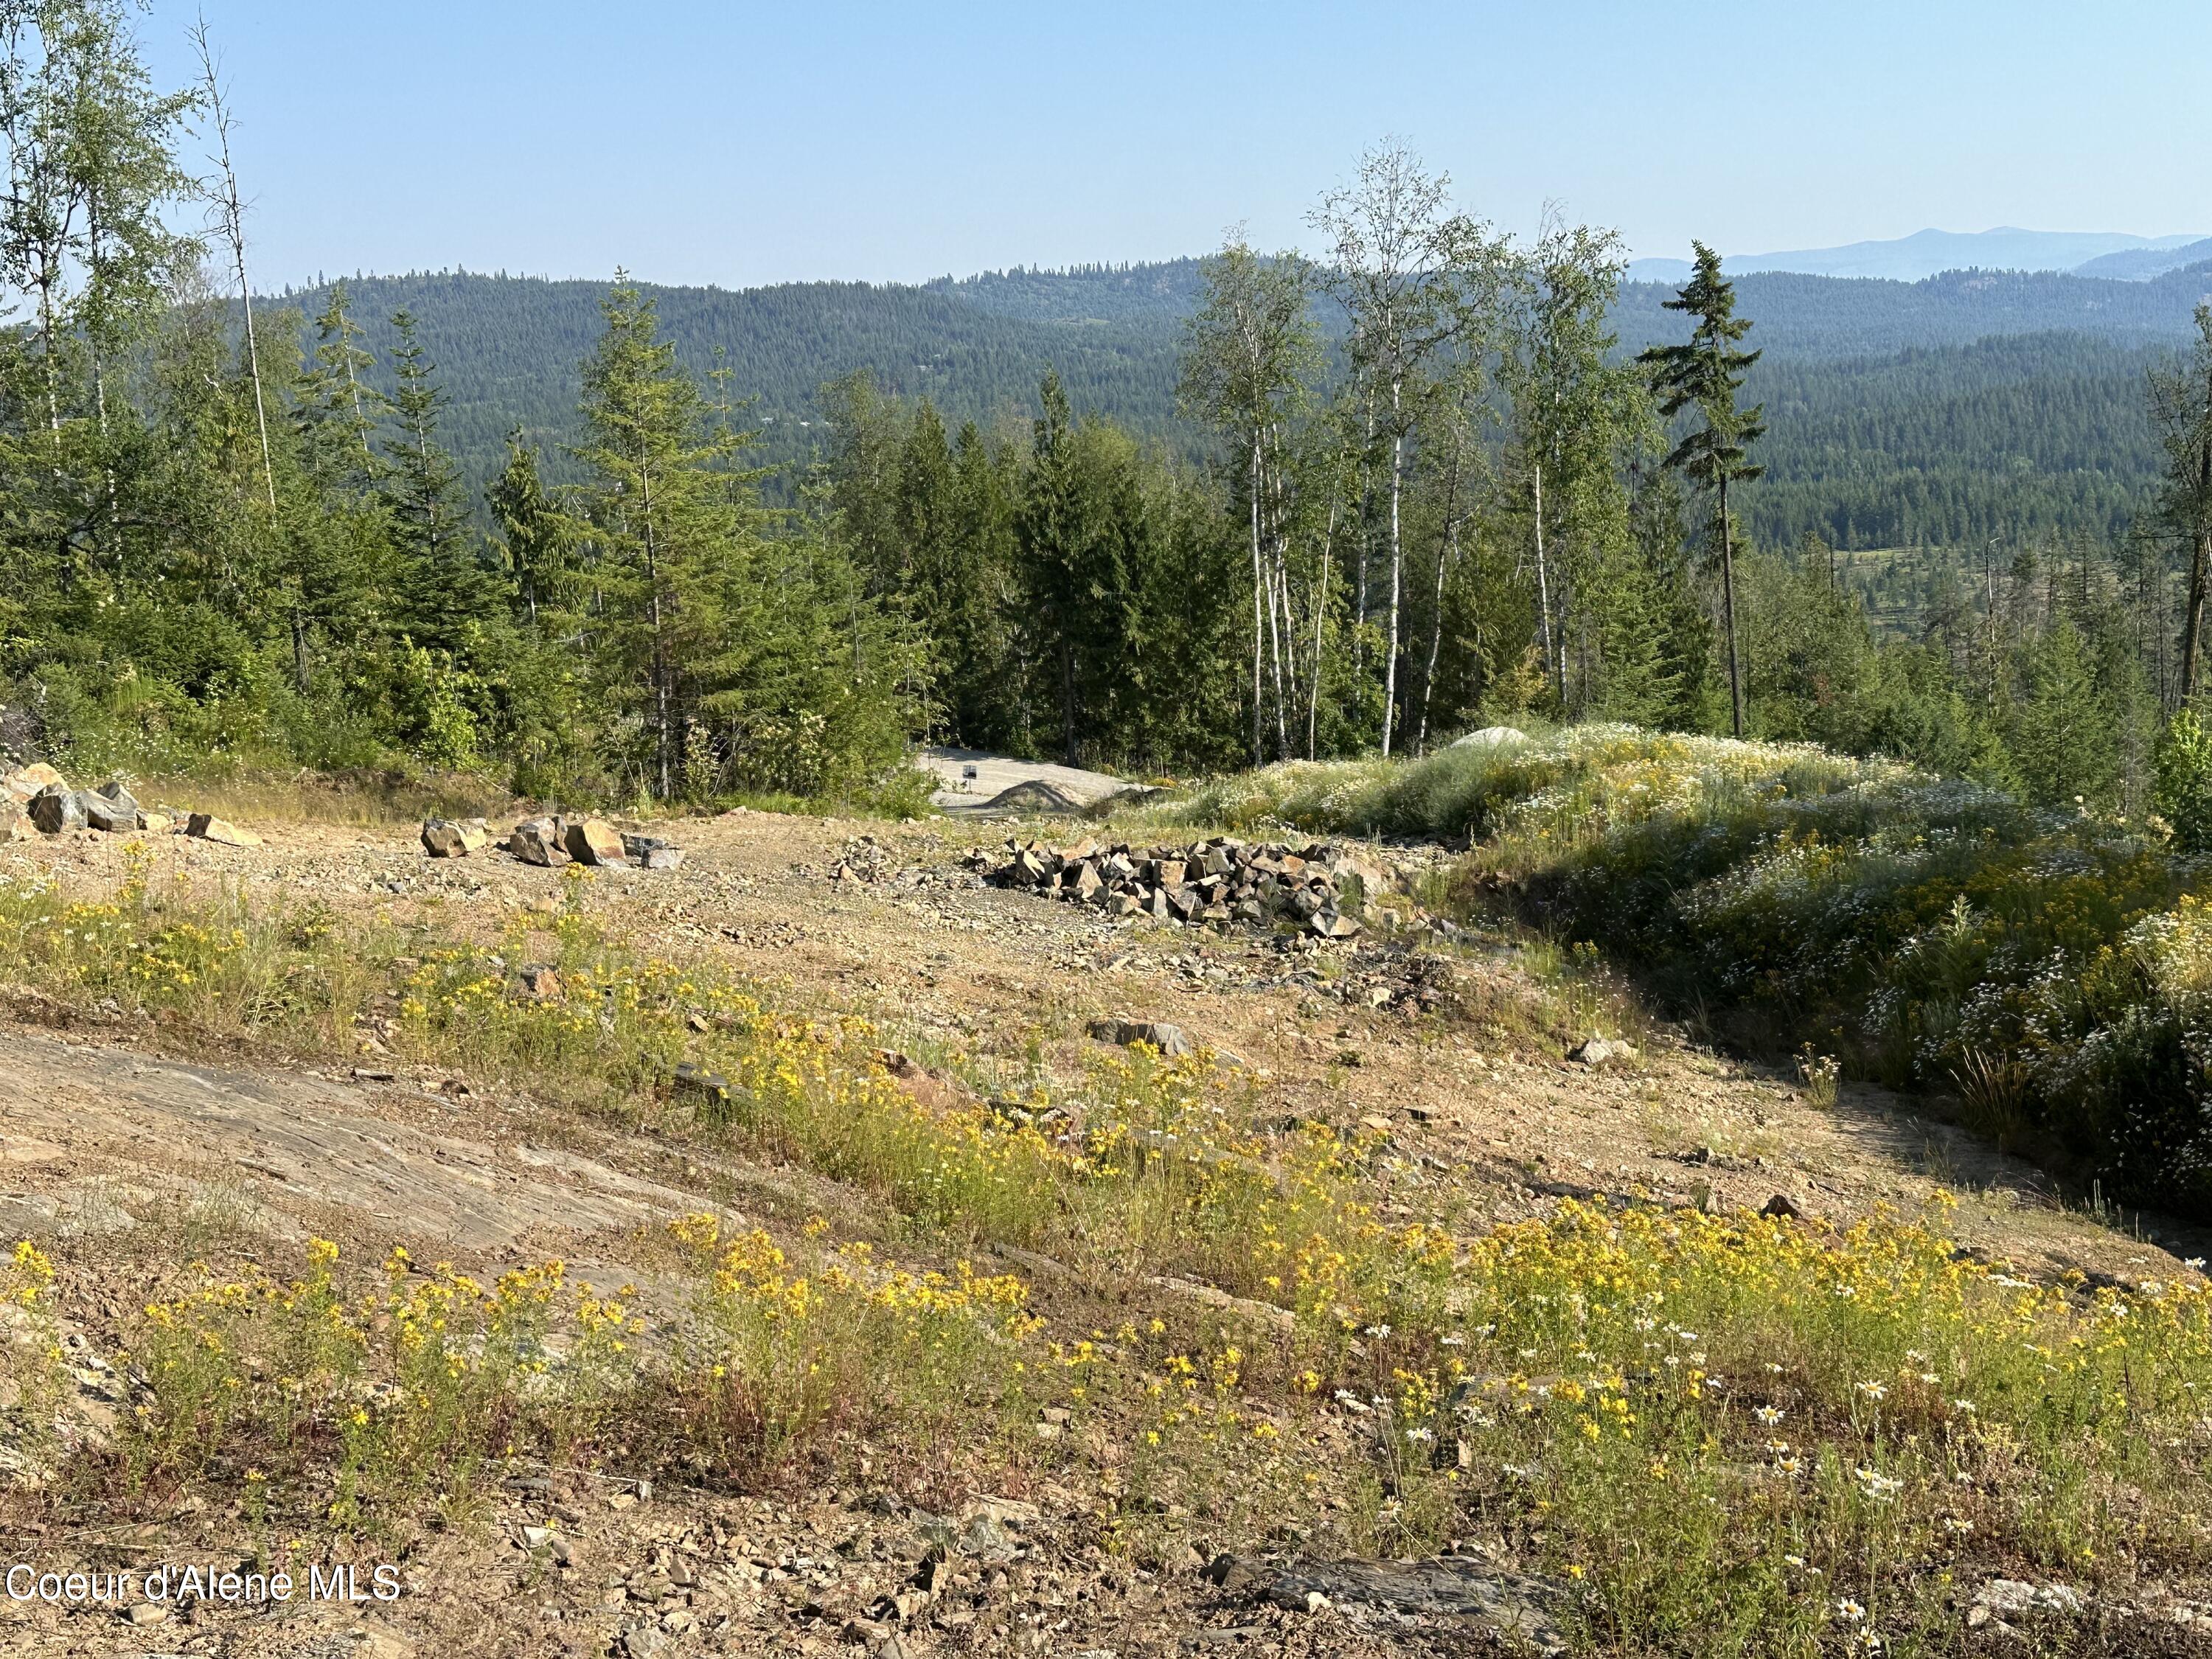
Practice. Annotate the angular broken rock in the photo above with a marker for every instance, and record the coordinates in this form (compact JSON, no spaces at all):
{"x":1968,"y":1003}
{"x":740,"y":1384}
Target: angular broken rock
{"x":26,"y":782}
{"x":697,"y":1080}
{"x":1329,"y":924}
{"x":1594,"y":1051}
{"x":1170,"y":1040}
{"x":1522,"y":1609}
{"x":15,"y":823}
{"x":539,"y":981}
{"x":205,"y":826}
{"x":113,"y":808}
{"x":594,"y":841}
{"x":1782,"y":1207}
{"x":56,"y":807}
{"x":537,"y":840}
{"x":651,"y":853}
{"x":453,"y":838}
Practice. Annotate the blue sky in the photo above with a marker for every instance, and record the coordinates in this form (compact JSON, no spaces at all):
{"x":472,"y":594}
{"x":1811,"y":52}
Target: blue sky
{"x":742,"y":143}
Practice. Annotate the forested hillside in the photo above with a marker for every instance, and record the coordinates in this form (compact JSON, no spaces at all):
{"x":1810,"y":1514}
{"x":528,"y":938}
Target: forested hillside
{"x":604,"y":539}
{"x":1971,"y":404}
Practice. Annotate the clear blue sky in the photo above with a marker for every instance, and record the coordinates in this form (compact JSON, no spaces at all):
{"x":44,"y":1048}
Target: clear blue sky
{"x":741,"y":144}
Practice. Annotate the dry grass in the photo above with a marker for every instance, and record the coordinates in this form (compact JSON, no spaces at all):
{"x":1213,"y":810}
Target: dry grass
{"x":362,"y":800}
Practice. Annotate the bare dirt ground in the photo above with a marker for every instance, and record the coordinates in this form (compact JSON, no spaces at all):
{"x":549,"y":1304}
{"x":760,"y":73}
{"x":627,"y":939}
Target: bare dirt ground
{"x":112,"y":1139}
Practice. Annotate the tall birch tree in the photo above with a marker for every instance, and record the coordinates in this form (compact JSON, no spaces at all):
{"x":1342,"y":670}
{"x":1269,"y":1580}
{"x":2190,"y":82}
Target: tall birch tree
{"x":1250,"y":356}
{"x":1394,"y":249}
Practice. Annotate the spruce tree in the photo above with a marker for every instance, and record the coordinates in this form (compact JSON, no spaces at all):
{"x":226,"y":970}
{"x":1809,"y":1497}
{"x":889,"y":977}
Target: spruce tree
{"x":532,"y":534}
{"x":2181,"y":408}
{"x":443,"y":586}
{"x":337,"y":410}
{"x":1704,"y":374}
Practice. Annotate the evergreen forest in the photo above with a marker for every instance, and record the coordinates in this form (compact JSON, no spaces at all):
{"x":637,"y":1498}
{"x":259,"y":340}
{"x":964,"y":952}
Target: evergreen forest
{"x":606,"y":541}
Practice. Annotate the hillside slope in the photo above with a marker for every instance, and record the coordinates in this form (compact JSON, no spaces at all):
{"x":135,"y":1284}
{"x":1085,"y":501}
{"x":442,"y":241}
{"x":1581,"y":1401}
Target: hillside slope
{"x":1969,"y":404}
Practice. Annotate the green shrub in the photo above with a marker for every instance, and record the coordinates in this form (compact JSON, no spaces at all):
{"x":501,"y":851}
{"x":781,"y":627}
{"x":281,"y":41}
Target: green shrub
{"x":2183,"y":791}
{"x":2050,"y":969}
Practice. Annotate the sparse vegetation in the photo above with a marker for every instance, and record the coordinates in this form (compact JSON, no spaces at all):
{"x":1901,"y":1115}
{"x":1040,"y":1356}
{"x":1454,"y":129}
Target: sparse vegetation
{"x":1718,"y":1434}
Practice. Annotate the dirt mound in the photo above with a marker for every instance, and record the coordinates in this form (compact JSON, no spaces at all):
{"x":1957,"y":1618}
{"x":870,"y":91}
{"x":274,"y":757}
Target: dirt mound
{"x":1034,"y":795}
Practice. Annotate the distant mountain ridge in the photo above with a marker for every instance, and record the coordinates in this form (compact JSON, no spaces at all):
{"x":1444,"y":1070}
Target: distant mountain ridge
{"x":1931,"y":252}
{"x":2141,"y":264}
{"x":1956,"y":405}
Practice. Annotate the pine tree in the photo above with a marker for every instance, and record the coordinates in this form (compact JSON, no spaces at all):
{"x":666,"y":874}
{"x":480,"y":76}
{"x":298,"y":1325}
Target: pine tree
{"x":2181,"y":407}
{"x":1705,"y":374}
{"x":729,"y":654}
{"x":532,"y":536}
{"x":2064,"y":739}
{"x":1055,"y":555}
{"x":984,"y":686}
{"x":443,"y":586}
{"x":339,"y":410}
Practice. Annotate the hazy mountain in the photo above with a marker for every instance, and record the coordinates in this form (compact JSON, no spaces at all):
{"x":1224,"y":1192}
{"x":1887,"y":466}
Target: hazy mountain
{"x":2140,"y":264}
{"x":1931,"y":252}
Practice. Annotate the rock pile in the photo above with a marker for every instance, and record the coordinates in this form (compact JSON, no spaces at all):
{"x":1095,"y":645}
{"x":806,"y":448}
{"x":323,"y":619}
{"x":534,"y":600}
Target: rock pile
{"x":551,"y":840}
{"x":39,"y":799}
{"x":1215,"y":883}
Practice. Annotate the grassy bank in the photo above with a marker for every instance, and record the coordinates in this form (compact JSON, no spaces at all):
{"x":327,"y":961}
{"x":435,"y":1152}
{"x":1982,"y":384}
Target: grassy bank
{"x":2053,"y":971}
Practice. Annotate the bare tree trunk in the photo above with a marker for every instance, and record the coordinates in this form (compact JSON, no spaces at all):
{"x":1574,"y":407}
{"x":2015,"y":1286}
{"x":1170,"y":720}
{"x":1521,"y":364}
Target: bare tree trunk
{"x":1366,"y":516}
{"x":1728,"y":614}
{"x":361,"y":424}
{"x":233,"y":225}
{"x":1449,"y":552}
{"x":47,"y":279}
{"x":1397,"y":572}
{"x":1446,"y":552}
{"x":1320,"y":612}
{"x":1067,"y":702}
{"x":1258,"y":581}
{"x":663,"y":712}
{"x":1544,"y":586}
{"x":1278,"y":604}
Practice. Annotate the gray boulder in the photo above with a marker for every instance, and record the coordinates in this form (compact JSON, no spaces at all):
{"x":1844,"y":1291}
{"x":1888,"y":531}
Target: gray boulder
{"x":1171,"y":1041}
{"x":113,"y":808}
{"x":58,"y":807}
{"x":538,"y":841}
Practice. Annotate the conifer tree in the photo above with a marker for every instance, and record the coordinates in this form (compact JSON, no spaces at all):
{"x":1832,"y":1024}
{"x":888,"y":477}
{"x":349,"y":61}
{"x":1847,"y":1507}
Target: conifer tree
{"x":728,"y":653}
{"x":443,"y":585}
{"x":532,"y":534}
{"x":337,"y":410}
{"x":2181,"y":407}
{"x":1704,"y":374}
{"x":1055,"y":554}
